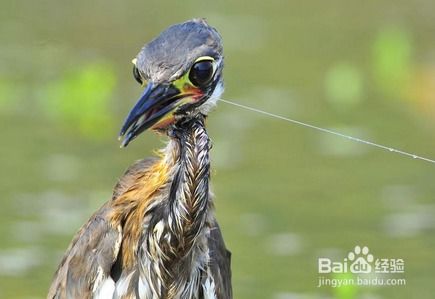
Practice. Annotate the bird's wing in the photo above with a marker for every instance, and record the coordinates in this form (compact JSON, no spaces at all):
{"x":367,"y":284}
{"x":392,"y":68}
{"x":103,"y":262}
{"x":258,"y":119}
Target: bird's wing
{"x":85,"y":269}
{"x":220,"y":264}
{"x":86,"y":265}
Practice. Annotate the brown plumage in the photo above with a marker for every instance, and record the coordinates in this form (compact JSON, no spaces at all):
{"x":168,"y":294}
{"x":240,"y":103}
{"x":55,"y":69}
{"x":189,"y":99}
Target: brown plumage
{"x":158,"y":237}
{"x":113,"y":236}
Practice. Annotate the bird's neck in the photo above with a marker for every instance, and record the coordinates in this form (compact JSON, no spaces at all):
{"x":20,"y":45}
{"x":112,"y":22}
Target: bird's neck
{"x":167,"y":215}
{"x":178,"y":231}
{"x":189,"y":198}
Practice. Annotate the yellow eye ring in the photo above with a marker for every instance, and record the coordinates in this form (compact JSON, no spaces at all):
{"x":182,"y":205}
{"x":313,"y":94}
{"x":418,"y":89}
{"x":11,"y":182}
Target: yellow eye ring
{"x":202,"y":71}
{"x":137,"y":75}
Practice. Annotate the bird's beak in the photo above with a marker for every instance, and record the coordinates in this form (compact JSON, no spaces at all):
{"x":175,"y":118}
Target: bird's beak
{"x":155,"y":109}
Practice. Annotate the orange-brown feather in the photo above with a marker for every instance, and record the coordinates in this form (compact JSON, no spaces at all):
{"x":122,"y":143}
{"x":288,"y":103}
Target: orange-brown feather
{"x":128,"y":208}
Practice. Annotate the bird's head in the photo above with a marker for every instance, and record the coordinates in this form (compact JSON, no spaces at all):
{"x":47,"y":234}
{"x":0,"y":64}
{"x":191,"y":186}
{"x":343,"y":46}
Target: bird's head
{"x":181,"y":72}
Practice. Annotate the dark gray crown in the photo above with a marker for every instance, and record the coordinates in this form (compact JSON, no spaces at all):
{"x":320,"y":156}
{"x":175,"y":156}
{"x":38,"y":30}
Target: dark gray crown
{"x":173,"y":52}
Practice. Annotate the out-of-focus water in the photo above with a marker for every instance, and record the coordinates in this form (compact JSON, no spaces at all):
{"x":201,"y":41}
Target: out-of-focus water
{"x":285,"y":195}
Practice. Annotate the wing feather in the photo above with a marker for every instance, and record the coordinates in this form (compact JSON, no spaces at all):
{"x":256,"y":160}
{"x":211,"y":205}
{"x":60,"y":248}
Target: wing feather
{"x":87,"y":262}
{"x":220,"y":264}
{"x":86,"y":267}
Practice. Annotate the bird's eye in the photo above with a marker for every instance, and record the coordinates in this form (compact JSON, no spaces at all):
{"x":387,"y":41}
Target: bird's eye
{"x":137,"y":75}
{"x":201,"y":72}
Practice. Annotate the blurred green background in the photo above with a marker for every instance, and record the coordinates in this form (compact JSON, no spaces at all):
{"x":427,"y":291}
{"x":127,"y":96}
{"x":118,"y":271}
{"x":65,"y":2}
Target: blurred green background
{"x":285,"y":195}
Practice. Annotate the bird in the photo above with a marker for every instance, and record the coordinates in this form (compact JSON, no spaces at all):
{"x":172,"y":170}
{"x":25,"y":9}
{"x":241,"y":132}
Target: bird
{"x":157,"y":237}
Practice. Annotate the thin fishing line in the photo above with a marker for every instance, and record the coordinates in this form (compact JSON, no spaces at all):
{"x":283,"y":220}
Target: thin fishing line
{"x":328,"y":131}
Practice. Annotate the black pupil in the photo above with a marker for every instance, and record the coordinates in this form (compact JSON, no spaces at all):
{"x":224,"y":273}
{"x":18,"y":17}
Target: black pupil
{"x":201,"y":73}
{"x":137,"y":75}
